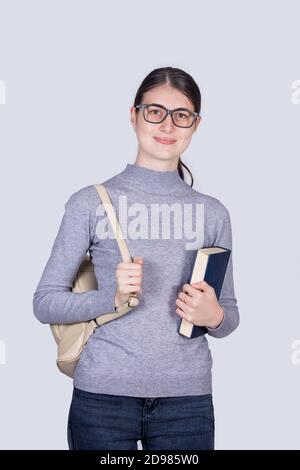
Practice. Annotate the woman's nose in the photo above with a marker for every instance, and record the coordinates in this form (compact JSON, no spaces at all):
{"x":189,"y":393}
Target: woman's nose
{"x":167,"y":123}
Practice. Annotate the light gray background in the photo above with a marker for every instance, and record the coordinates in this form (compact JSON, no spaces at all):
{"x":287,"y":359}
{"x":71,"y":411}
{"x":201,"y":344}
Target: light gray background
{"x":71,"y":70}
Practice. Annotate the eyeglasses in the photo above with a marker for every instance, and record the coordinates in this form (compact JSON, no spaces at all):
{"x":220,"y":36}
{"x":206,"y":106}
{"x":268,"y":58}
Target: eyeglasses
{"x":156,"y":113}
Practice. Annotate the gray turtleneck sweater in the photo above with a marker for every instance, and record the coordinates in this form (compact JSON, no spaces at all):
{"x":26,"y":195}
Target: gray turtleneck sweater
{"x":140,"y":354}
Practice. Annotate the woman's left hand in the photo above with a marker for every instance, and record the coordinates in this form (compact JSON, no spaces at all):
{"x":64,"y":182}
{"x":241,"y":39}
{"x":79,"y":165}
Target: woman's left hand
{"x":198,"y":304}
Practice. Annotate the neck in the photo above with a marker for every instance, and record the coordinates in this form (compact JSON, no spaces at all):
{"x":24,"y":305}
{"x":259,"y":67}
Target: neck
{"x":158,"y":165}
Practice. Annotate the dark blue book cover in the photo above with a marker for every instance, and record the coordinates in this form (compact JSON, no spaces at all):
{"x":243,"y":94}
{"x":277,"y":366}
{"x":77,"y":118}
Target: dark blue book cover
{"x":213,"y":266}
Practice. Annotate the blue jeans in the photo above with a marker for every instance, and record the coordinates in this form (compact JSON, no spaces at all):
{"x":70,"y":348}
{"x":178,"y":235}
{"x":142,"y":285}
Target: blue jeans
{"x":111,"y":422}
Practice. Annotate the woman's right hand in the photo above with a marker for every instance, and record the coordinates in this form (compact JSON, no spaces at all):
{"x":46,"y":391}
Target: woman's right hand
{"x":129,"y":279}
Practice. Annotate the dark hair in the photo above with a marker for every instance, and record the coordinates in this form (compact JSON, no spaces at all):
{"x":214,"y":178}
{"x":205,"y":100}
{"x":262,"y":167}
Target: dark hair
{"x":178,"y":79}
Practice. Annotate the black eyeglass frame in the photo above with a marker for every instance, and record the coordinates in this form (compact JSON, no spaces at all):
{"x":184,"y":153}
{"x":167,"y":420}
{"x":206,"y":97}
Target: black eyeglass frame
{"x":169,"y":111}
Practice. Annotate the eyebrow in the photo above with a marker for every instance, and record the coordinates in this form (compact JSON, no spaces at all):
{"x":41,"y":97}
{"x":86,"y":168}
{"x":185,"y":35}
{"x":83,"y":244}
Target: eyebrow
{"x":174,"y":109}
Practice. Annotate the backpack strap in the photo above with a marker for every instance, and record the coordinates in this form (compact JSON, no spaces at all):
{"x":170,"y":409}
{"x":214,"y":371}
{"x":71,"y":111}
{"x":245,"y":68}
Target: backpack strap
{"x":113,"y":220}
{"x":126,"y":256}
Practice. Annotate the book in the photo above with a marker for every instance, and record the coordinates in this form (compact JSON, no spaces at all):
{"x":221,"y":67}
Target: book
{"x":210,"y":266}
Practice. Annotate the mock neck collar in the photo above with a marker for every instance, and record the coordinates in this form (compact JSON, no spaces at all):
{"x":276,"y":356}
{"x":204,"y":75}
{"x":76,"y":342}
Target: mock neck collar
{"x":148,"y":180}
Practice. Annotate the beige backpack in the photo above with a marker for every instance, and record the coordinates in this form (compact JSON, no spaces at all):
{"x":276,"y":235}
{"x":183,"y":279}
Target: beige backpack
{"x":72,"y":338}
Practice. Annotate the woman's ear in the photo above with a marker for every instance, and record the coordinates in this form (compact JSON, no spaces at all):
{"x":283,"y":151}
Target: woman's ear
{"x":133,"y":117}
{"x":197,"y":123}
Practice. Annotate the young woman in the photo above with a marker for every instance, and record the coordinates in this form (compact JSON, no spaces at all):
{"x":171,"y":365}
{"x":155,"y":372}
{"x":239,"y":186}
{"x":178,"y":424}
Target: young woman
{"x":138,"y":378}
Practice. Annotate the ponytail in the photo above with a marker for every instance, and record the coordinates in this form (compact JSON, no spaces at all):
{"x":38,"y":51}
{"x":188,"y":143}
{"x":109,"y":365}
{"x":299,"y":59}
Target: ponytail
{"x":180,"y":167}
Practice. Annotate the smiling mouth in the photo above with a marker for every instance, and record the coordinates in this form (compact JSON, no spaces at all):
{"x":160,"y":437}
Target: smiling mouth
{"x":163,"y":140}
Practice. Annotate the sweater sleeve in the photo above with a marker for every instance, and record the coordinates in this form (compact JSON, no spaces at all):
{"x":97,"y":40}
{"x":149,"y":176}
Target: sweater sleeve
{"x":53,"y":300}
{"x":227,"y":298}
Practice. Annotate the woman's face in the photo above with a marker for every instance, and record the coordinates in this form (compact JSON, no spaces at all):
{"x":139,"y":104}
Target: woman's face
{"x":146,"y":131}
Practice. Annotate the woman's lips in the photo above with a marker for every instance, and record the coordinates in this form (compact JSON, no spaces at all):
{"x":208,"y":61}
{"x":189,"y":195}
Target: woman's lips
{"x":165,"y":141}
